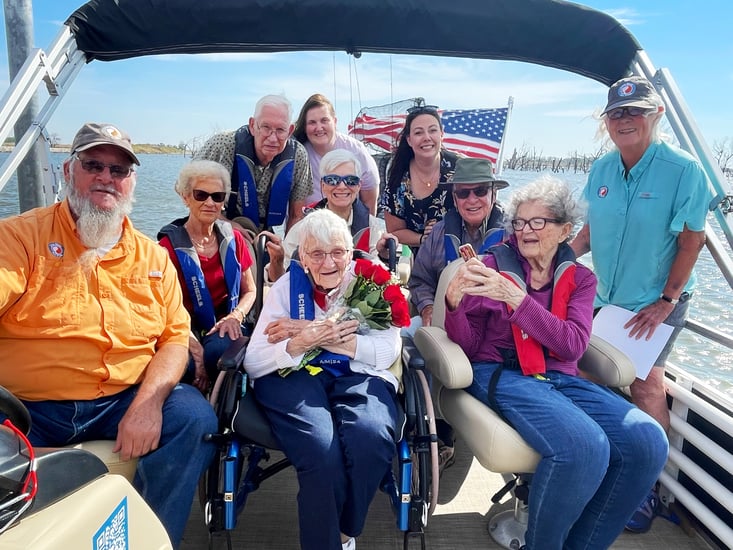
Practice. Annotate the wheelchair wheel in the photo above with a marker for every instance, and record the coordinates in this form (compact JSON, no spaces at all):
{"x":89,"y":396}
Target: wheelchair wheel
{"x":423,"y":444}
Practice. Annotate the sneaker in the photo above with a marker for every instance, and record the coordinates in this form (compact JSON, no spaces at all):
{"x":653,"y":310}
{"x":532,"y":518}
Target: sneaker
{"x":642,"y":519}
{"x":349,"y":544}
{"x":446,"y":457}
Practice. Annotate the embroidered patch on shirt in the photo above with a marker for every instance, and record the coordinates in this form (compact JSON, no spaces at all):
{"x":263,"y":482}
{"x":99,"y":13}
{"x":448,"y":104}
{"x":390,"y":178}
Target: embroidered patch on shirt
{"x":155,"y":274}
{"x":57,"y":249}
{"x":602,"y":191}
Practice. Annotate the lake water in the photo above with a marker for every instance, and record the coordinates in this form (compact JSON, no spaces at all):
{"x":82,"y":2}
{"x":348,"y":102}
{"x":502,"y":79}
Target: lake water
{"x":157,"y":204}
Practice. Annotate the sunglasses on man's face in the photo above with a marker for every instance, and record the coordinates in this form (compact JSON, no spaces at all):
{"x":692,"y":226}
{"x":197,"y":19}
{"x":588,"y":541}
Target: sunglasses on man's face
{"x":117,"y":171}
{"x":216,"y":196}
{"x":478,"y":191}
{"x":333,"y":180}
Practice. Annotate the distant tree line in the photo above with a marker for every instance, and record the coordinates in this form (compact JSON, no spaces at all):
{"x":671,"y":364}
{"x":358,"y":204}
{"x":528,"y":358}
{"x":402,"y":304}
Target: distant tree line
{"x":529,"y":158}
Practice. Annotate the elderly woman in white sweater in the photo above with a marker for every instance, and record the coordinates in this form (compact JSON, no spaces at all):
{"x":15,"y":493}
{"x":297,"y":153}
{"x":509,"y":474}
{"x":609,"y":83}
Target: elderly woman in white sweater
{"x":326,"y":390}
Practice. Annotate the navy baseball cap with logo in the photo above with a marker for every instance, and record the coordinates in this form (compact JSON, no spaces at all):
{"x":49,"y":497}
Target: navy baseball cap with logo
{"x":632,"y":91}
{"x":93,"y":134}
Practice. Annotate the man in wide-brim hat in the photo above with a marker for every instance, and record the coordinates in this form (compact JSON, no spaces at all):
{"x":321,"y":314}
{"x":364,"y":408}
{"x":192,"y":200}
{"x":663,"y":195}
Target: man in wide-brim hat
{"x":476,"y":218}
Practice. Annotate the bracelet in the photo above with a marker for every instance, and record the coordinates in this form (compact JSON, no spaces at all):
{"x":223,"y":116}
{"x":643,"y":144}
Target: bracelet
{"x":672,"y":301}
{"x":241,"y":314}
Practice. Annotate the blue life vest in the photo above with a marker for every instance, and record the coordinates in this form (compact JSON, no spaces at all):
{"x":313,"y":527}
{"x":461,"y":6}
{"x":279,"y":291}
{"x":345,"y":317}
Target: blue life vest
{"x":302,"y":306}
{"x":244,"y":183}
{"x":203,"y":316}
{"x":452,"y":239}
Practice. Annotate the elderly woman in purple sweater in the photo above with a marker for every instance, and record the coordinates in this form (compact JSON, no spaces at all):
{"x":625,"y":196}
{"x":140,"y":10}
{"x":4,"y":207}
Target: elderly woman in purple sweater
{"x":523,"y":316}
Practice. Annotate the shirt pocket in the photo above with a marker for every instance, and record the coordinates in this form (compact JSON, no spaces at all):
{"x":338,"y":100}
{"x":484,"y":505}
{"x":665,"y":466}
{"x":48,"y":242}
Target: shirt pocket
{"x":147,"y":318}
{"x":53,"y":297}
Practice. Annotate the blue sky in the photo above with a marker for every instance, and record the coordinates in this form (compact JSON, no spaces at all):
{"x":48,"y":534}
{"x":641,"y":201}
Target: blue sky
{"x":174,"y":99}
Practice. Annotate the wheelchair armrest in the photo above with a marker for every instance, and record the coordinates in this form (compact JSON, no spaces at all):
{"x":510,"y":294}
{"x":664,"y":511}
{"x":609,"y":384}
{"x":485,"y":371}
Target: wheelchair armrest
{"x":233,"y":357}
{"x":606,"y":364}
{"x":411,"y":356}
{"x":444,"y":358}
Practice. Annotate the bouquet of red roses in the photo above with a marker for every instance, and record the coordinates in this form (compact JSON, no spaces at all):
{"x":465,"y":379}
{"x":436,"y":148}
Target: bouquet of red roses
{"x":372,"y":297}
{"x":375,"y":298}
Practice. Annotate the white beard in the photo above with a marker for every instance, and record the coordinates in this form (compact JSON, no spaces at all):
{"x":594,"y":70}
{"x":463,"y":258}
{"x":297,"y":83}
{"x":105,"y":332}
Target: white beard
{"x":97,"y":227}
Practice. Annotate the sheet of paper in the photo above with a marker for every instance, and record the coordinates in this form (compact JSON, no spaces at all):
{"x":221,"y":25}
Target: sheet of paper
{"x":609,"y":325}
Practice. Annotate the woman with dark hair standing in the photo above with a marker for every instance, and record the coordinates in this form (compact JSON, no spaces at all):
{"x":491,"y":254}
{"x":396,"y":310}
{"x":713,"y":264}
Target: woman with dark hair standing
{"x":413,"y":201}
{"x":316,"y":130}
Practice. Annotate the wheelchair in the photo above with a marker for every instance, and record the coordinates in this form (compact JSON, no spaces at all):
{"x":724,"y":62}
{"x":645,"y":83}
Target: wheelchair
{"x":245,"y":441}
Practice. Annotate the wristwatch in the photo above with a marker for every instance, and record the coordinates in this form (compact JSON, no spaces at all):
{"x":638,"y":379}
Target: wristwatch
{"x":672,"y":301}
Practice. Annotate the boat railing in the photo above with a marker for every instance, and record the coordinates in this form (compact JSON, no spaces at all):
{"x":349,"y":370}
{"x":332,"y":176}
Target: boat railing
{"x":690,"y":139}
{"x":699,"y":472}
{"x":57,"y":68}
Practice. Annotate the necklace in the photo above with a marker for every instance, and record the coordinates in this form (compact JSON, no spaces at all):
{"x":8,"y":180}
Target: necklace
{"x":203,"y":243}
{"x":432,"y":178}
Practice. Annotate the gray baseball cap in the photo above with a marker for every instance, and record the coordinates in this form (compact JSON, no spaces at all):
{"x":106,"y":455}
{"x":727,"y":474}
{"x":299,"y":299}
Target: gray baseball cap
{"x":94,"y":133}
{"x":632,"y":91}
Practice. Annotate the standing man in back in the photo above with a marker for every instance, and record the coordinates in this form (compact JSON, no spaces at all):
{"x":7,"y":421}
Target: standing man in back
{"x":646,"y":226}
{"x":271,"y":176}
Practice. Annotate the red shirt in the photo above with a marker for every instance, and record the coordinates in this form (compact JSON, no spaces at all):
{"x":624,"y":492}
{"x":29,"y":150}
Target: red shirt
{"x":213,"y":273}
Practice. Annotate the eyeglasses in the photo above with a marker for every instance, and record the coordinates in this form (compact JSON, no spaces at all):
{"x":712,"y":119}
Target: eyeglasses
{"x":117,"y":171}
{"x":266,"y":130}
{"x":334,"y":179}
{"x":337,"y":255}
{"x":216,"y":196}
{"x":422,"y":109}
{"x":535,"y":223}
{"x":615,"y":114}
{"x":478,"y":191}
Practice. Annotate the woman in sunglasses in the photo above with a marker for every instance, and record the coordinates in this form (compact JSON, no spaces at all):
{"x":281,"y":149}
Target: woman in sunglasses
{"x":340,"y":186}
{"x":413,"y":201}
{"x":213,"y":264}
{"x":315,"y":128}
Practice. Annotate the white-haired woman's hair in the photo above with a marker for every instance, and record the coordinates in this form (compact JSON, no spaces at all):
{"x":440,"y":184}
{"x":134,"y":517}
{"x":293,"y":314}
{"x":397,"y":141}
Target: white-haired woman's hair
{"x":324,"y":227}
{"x":278,"y":101}
{"x":336,"y":157}
{"x":553,"y":194}
{"x":201,"y":169}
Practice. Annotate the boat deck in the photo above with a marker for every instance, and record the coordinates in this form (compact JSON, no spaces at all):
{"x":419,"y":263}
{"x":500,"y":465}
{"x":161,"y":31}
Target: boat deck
{"x":269,"y":521}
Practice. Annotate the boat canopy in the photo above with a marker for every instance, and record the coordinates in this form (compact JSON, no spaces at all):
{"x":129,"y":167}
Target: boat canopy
{"x":553,"y":33}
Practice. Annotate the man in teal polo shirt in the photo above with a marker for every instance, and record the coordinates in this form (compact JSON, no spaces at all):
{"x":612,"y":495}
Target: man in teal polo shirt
{"x":647,"y":203}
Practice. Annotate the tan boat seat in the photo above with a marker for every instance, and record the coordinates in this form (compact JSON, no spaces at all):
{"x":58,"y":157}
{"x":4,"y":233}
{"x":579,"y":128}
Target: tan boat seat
{"x":494,"y":443}
{"x":103,"y":450}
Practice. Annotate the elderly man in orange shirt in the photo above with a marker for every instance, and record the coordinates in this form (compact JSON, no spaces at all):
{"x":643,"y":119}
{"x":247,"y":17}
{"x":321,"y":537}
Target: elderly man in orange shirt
{"x":93,"y":332}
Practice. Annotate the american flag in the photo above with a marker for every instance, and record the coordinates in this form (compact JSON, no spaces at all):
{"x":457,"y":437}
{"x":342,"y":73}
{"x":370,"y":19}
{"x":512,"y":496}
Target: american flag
{"x":472,"y":132}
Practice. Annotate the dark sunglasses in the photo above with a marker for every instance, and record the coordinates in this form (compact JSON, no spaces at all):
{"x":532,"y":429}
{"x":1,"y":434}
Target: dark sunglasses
{"x":422,"y":109}
{"x":92,"y":166}
{"x":333,"y":180}
{"x":478,"y":191}
{"x":216,"y":196}
{"x":616,"y":114}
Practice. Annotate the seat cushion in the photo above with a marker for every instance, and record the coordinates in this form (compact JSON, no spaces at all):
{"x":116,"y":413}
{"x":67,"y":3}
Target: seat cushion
{"x":251,"y":424}
{"x":115,"y":465}
{"x":496,"y":445}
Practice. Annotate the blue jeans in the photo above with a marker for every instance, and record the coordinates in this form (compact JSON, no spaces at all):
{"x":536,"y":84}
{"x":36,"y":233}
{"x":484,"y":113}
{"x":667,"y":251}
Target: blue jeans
{"x":599,"y":455}
{"x":339,"y":433}
{"x":167,"y":477}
